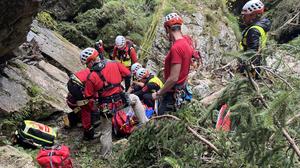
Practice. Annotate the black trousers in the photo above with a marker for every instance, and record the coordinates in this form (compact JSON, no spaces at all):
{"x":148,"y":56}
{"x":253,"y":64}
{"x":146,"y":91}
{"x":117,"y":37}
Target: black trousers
{"x":167,"y":104}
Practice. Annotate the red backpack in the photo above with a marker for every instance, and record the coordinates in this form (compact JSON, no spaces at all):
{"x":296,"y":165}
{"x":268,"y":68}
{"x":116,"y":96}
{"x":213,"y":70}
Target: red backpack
{"x":55,"y":157}
{"x":123,"y":123}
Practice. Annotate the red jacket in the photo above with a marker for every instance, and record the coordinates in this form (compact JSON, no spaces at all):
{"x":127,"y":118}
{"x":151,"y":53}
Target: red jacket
{"x":83,"y":74}
{"x":125,"y":55}
{"x":113,"y":72}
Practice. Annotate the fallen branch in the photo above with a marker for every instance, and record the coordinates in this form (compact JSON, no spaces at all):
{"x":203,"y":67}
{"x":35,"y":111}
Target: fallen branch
{"x":225,"y":66}
{"x":283,"y":130}
{"x":264,"y":81}
{"x":273,"y":73}
{"x":288,"y":22}
{"x":291,"y":141}
{"x":212,"y":146}
{"x":291,"y":120}
{"x":166,"y":116}
{"x":195,"y":133}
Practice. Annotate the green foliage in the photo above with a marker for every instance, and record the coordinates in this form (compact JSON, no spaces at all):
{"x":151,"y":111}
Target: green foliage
{"x":87,"y":23}
{"x":34,"y":90}
{"x":68,"y":31}
{"x":256,"y":139}
{"x":128,"y":18}
{"x":46,"y":19}
{"x":162,"y":143}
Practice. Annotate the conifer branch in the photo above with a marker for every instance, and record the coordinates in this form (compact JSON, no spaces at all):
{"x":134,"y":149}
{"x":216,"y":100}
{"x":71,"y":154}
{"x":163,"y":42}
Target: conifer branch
{"x":283,"y":130}
{"x":195,"y":133}
{"x":273,"y":73}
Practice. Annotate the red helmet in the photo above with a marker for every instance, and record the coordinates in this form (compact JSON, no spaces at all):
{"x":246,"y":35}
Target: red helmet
{"x":172,"y":19}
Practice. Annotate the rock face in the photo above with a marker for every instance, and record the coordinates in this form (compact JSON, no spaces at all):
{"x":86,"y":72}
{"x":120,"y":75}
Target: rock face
{"x":15,"y":18}
{"x":34,"y":84}
{"x":13,"y":158}
{"x":288,"y":64}
{"x":56,"y":48}
{"x":211,"y":43}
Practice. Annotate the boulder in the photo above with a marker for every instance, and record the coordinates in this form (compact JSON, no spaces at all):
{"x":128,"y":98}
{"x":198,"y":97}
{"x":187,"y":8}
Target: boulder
{"x":212,"y":98}
{"x":13,"y":95}
{"x":288,"y":64}
{"x":55,"y":48}
{"x":28,"y":88}
{"x":202,"y":89}
{"x":15,"y":19}
{"x":13,"y":158}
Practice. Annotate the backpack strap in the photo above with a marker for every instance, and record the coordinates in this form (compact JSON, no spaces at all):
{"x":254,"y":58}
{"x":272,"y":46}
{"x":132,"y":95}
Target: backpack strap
{"x":130,"y":46}
{"x":98,"y":69}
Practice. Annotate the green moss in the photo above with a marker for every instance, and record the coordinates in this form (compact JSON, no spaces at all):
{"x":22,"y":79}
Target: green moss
{"x":34,"y":90}
{"x":233,"y":22}
{"x":75,"y":36}
{"x":188,"y":7}
{"x":212,"y":22}
{"x":46,"y":19}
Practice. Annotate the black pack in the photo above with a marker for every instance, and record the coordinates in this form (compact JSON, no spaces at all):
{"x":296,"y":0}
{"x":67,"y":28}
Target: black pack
{"x":34,"y":134}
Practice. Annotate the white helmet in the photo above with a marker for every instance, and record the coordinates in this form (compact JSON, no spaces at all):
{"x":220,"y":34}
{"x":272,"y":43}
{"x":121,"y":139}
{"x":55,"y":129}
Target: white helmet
{"x":142,"y":73}
{"x":120,"y":41}
{"x":134,"y":67}
{"x":87,"y":53}
{"x":253,"y":7}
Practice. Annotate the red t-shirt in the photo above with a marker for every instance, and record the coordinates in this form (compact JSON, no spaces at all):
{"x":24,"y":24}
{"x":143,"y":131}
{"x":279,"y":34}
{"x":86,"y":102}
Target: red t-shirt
{"x":83,"y":74}
{"x":180,"y":53}
{"x":113,"y":72}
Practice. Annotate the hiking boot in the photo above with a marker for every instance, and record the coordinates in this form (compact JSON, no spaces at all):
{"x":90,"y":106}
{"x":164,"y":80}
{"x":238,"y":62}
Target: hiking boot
{"x":90,"y":134}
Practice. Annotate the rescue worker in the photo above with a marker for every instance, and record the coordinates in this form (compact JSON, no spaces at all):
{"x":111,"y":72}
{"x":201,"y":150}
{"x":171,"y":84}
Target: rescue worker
{"x":177,"y":65}
{"x":75,"y":98}
{"x":76,"y":86}
{"x":254,"y":36}
{"x":99,"y":46}
{"x":124,"y":51}
{"x":105,"y":81}
{"x":149,"y":84}
{"x":134,"y":87}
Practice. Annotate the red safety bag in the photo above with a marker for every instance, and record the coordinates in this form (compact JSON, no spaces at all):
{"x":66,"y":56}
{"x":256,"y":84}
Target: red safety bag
{"x":123,"y":123}
{"x":54,"y":157}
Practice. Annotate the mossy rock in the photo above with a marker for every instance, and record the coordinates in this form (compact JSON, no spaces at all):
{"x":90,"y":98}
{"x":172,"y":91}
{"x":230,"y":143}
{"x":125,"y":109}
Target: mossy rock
{"x":75,"y":36}
{"x":46,"y":19}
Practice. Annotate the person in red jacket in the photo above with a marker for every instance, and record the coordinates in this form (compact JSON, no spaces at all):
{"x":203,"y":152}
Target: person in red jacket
{"x":105,"y":81}
{"x":124,"y":52}
{"x":76,"y":99}
{"x":177,"y":65}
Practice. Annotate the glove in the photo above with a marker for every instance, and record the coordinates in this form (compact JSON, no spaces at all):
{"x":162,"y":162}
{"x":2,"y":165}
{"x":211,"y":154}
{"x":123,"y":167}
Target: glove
{"x":99,"y":46}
